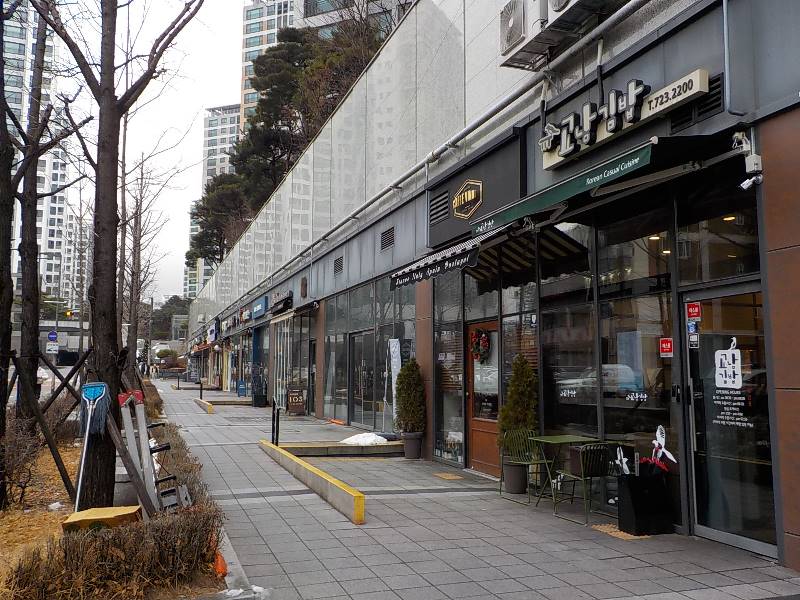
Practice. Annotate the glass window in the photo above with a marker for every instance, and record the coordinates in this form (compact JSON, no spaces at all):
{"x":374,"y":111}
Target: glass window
{"x":330,"y":357}
{"x":252,"y":55}
{"x":252,"y":41}
{"x":362,"y":308}
{"x":480,"y":290}
{"x":249,"y":70}
{"x":569,"y":370}
{"x":565,"y":262}
{"x":253,"y":27}
{"x":271,"y":38}
{"x":519,"y":337}
{"x":633,"y":252}
{"x":717,"y":231}
{"x":251,"y":98}
{"x":340,"y":410}
{"x":254,"y":13}
{"x":270,"y":10}
{"x":270,"y":23}
{"x":448,"y":348}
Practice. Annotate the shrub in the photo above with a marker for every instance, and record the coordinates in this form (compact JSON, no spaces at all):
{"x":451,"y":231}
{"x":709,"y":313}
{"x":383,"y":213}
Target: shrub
{"x":121,"y":562}
{"x":410,"y":398}
{"x":153,"y":404}
{"x":21,"y":450}
{"x":522,"y":398}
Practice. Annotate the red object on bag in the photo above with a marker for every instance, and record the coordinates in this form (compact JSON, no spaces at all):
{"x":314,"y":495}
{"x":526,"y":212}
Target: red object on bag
{"x":138,"y":397}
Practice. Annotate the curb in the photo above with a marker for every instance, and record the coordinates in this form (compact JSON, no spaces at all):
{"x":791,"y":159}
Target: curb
{"x":338,"y":449}
{"x":346,"y":499}
{"x":206,"y":406}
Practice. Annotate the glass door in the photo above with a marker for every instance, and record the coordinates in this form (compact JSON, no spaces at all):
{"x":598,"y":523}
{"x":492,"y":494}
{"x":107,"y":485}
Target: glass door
{"x":483,"y":397}
{"x":311,"y":407}
{"x":362,"y":348}
{"x":729,"y":418}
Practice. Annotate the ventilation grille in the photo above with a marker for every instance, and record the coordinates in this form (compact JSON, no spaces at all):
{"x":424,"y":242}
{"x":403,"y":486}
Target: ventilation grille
{"x":439,"y":208}
{"x":338,"y":265}
{"x":387,"y":238}
{"x":706,"y":106}
{"x":512,"y":25}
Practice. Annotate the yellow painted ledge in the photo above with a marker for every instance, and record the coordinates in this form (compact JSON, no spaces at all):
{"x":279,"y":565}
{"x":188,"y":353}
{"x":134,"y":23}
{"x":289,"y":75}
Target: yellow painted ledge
{"x":345,"y":498}
{"x":206,"y":406}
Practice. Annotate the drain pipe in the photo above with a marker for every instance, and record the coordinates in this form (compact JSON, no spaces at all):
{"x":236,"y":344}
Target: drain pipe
{"x":596,"y":34}
{"x":726,"y":42}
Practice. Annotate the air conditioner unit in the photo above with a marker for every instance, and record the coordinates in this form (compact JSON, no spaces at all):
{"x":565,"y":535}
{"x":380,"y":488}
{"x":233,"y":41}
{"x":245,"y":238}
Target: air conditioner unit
{"x":533,"y":32}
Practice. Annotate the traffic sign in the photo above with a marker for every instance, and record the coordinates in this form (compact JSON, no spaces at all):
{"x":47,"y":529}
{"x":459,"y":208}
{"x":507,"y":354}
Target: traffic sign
{"x":52,"y":336}
{"x":52,"y":348}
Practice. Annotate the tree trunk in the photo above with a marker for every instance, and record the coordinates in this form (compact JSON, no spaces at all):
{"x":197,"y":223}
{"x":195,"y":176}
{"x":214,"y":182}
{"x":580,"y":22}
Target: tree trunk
{"x":6,"y":285}
{"x":136,"y":284}
{"x":123,"y":230}
{"x":98,"y":479}
{"x":29,"y":245}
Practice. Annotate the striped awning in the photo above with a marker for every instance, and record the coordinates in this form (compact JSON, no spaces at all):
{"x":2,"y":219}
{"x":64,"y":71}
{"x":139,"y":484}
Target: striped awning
{"x":456,"y":257}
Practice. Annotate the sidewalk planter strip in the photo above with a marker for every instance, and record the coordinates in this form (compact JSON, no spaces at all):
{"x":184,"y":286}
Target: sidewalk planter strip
{"x":344,"y":498}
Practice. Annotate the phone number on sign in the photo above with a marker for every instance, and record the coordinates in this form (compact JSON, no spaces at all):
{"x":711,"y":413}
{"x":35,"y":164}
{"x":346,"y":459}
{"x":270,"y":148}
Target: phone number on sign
{"x":673,"y":93}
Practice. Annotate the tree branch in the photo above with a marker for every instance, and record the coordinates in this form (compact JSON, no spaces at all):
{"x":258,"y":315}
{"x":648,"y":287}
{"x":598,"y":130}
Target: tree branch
{"x":81,"y":139}
{"x":48,"y":11}
{"x":160,"y":45}
{"x":60,"y":188}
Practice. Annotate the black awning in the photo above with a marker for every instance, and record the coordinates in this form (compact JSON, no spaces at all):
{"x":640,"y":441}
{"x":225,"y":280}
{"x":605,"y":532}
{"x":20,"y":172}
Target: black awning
{"x":456,"y":257}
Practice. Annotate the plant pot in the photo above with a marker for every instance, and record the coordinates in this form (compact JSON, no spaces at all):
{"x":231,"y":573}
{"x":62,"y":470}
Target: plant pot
{"x":412,"y":444}
{"x":644,"y":504}
{"x":515,"y":478}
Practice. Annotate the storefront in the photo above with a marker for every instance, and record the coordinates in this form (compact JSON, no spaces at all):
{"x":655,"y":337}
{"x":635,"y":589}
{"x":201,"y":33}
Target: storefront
{"x":258,"y":368}
{"x":617,"y":229}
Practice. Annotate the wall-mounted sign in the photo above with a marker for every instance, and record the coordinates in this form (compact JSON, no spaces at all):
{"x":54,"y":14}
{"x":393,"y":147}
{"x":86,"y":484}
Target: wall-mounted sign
{"x":212,"y":332}
{"x":245,"y":315}
{"x":281,"y":301}
{"x":694,"y":311}
{"x":622,"y":110}
{"x":467,"y":199}
{"x":665,"y":347}
{"x":259,"y":307}
{"x":728,"y":365}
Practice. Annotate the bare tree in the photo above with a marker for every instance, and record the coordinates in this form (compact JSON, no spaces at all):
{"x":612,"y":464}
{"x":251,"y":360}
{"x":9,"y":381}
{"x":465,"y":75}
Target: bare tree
{"x":100,"y":78}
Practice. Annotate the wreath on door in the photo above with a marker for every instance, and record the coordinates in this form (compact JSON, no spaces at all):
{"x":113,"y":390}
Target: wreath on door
{"x":479,"y":345}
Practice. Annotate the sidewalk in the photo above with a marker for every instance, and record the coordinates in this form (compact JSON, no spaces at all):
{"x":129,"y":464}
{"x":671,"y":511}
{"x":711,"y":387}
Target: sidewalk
{"x":434,"y":532}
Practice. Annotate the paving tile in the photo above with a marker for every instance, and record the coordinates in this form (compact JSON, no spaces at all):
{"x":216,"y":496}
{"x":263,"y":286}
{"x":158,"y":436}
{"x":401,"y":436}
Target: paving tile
{"x":565,"y":593}
{"x":430,"y":566}
{"x":392,"y":569}
{"x":604,"y":590}
{"x":320,"y":590}
{"x":749,"y":575}
{"x":779,"y":588}
{"x":350,"y":573}
{"x":502,"y":586}
{"x":362,"y":586}
{"x":445,"y":577}
{"x":713,"y":579}
{"x":485,"y":574}
{"x":401,"y":582}
{"x":383,"y":558}
{"x":462,"y":590}
{"x":527,"y":595}
{"x":541,"y":582}
{"x":642,"y":587}
{"x":302,"y":566}
{"x":746,"y":591}
{"x":422,"y":593}
{"x":308,"y":578}
{"x":579,"y":578}
{"x":709,"y":594}
{"x":382,"y":595}
{"x":524,"y":570}
{"x":684,"y":568}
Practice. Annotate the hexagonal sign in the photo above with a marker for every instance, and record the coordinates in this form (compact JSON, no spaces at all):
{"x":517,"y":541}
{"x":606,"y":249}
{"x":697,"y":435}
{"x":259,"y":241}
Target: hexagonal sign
{"x":467,"y":199}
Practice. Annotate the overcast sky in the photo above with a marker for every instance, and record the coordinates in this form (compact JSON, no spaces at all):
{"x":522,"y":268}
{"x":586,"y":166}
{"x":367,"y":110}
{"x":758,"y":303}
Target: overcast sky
{"x":207,"y":57}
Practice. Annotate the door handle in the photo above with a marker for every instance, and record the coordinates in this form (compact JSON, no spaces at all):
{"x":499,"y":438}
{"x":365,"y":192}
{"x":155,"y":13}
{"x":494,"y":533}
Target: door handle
{"x":676,"y":393}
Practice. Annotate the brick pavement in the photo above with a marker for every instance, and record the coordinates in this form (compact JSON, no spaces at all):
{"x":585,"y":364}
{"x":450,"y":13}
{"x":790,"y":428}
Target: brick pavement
{"x":427,"y":538}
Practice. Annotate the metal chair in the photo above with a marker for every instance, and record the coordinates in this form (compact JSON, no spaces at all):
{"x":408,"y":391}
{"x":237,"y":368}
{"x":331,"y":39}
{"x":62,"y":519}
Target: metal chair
{"x":594,"y":462}
{"x":519,"y":449}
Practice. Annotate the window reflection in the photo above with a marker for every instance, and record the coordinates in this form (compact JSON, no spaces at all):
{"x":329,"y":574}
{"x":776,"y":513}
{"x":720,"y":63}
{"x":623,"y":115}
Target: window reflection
{"x":569,"y":373}
{"x":448,"y":355}
{"x":717,"y":232}
{"x":565,"y":262}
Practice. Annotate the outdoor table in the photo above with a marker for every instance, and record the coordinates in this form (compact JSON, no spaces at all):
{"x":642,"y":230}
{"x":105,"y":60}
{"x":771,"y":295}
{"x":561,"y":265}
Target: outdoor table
{"x":557,"y":442}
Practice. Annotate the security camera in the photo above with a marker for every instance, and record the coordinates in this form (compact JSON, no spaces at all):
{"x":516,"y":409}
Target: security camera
{"x":748,"y":183}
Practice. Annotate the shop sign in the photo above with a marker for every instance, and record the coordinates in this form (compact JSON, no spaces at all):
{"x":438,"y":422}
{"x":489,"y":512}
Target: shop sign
{"x":259,"y":307}
{"x":665,"y":347}
{"x":245,"y":315}
{"x":467,"y":199}
{"x":295,"y":401}
{"x":694,"y":341}
{"x":434,"y":269}
{"x":728,"y":398}
{"x":694,"y":311}
{"x":212,"y":332}
{"x":622,"y":110}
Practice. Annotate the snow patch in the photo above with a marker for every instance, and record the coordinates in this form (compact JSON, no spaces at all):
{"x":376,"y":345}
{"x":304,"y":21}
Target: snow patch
{"x":364,"y":439}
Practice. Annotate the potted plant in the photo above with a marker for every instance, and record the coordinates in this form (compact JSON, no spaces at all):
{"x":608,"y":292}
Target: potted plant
{"x":519,"y":411}
{"x":410,"y":418}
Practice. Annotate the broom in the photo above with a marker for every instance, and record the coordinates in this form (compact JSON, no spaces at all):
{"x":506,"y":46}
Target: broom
{"x":95,"y":403}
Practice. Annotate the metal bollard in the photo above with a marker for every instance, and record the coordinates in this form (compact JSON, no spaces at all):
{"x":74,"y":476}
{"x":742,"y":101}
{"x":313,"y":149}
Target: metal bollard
{"x":179,"y":381}
{"x":201,"y":389}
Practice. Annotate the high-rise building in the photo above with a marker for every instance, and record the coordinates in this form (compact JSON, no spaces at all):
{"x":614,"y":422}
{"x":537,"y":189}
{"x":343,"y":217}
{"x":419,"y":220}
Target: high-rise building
{"x":57,"y":258}
{"x":262,"y":20}
{"x":325,"y":15}
{"x":221,"y":130}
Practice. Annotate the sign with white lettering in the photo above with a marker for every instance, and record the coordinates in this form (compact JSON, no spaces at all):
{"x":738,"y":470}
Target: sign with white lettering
{"x":427,"y":271}
{"x":594,"y":125}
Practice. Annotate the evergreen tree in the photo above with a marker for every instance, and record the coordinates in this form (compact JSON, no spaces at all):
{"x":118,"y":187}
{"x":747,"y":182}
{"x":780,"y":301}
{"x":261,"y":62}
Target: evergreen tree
{"x":519,"y":411}
{"x":410,"y":398}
